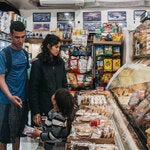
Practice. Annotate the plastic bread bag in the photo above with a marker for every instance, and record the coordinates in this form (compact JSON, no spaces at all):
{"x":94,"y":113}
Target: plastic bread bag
{"x":82,"y":145}
{"x":106,"y":147}
{"x":27,"y":130}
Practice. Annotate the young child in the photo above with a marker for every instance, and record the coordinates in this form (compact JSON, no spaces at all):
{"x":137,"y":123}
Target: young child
{"x":58,"y":123}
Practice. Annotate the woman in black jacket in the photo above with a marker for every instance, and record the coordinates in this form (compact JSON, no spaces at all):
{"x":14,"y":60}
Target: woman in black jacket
{"x":47,"y":75}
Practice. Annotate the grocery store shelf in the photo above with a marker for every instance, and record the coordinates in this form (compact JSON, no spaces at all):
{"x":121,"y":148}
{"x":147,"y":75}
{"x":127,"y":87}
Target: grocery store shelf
{"x":98,"y":42}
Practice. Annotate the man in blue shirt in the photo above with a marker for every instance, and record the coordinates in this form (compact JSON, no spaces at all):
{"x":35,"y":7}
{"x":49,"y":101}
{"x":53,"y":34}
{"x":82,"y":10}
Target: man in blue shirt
{"x":13,"y":101}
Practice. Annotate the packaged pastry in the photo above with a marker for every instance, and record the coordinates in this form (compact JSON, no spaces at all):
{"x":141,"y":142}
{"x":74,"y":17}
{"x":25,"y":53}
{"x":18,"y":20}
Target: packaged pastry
{"x":28,"y":130}
{"x":105,"y":147}
{"x":83,"y":130}
{"x":148,"y":136}
{"x":82,"y":145}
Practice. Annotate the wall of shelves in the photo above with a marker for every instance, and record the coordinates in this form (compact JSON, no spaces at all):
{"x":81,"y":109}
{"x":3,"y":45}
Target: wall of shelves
{"x":108,"y":59}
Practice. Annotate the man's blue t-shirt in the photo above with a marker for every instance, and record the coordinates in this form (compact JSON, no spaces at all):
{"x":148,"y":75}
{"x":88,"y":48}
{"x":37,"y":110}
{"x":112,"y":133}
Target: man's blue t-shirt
{"x":16,"y":79}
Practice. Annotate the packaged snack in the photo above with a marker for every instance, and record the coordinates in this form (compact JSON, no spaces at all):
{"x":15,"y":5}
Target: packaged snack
{"x":88,"y":79}
{"x":116,"y":50}
{"x":106,"y":77}
{"x":73,"y":51}
{"x":72,"y":80}
{"x":100,"y":66}
{"x":82,"y":63}
{"x":80,"y":79}
{"x":89,"y":63}
{"x":108,"y":50}
{"x":73,"y":64}
{"x":116,"y":64}
{"x":99,"y":50}
{"x":108,"y":64}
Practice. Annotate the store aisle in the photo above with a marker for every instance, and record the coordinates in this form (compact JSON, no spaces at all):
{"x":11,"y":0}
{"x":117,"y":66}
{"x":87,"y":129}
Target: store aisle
{"x":28,"y":144}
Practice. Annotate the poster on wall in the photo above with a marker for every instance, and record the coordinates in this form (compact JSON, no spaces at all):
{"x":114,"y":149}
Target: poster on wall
{"x":65,"y":26}
{"x":116,"y":15}
{"x":137,"y":14}
{"x":41,"y":27}
{"x":91,"y":20}
{"x":65,"y":16}
{"x":42,"y":17}
{"x":91,"y":16}
{"x":91,"y":26}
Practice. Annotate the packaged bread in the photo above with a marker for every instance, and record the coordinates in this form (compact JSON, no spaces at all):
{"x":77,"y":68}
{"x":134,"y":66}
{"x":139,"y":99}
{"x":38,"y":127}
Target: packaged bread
{"x":148,"y":136}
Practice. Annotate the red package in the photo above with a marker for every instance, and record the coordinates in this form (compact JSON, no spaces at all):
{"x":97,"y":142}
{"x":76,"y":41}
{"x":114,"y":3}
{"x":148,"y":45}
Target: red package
{"x":73,"y":64}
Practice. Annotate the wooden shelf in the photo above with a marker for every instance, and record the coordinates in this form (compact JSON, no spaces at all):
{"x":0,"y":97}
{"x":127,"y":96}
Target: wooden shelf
{"x":98,"y":42}
{"x":89,"y":40}
{"x":66,"y":40}
{"x":34,"y":40}
{"x":147,"y":56}
{"x":40,"y":40}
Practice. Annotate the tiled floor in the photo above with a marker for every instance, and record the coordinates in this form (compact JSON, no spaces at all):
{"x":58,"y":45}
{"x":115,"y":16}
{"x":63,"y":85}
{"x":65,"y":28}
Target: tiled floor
{"x":28,"y":144}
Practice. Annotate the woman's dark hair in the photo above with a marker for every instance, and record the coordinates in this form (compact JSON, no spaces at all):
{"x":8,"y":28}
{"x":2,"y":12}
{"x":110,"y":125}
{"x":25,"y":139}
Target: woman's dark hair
{"x":50,"y":40}
{"x":17,"y":26}
{"x":65,"y":101}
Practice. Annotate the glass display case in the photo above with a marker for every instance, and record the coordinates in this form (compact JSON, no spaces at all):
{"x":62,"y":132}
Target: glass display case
{"x":130,"y":87}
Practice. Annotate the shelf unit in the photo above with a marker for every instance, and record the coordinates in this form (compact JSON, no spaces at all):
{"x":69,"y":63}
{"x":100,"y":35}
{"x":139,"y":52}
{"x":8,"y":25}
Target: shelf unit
{"x":107,"y":56}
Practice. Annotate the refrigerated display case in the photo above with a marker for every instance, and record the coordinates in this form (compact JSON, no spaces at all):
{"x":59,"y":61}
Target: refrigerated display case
{"x":130,"y":87}
{"x":97,"y":118}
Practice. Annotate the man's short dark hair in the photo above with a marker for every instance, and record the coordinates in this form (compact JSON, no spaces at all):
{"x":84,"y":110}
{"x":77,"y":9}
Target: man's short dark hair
{"x":17,"y":26}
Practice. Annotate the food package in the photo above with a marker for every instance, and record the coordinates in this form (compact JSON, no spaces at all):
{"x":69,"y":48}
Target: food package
{"x":73,"y":64}
{"x":89,"y":63}
{"x":106,"y":77}
{"x":108,"y":50}
{"x":148,"y":136}
{"x":28,"y":130}
{"x":82,"y":145}
{"x":108,"y":64}
{"x":82,"y":64}
{"x":88,"y":78}
{"x":116,"y":64}
{"x":80,"y":79}
{"x":72,"y":80}
{"x":100,"y":65}
{"x":116,"y":50}
{"x":99,"y":50}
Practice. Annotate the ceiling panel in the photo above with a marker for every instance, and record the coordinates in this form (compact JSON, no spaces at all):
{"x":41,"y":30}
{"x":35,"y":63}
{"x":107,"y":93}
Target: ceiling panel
{"x":33,"y":4}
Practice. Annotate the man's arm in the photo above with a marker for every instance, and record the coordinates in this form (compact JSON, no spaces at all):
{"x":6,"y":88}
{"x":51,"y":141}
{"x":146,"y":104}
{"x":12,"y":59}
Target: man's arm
{"x":3,"y":86}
